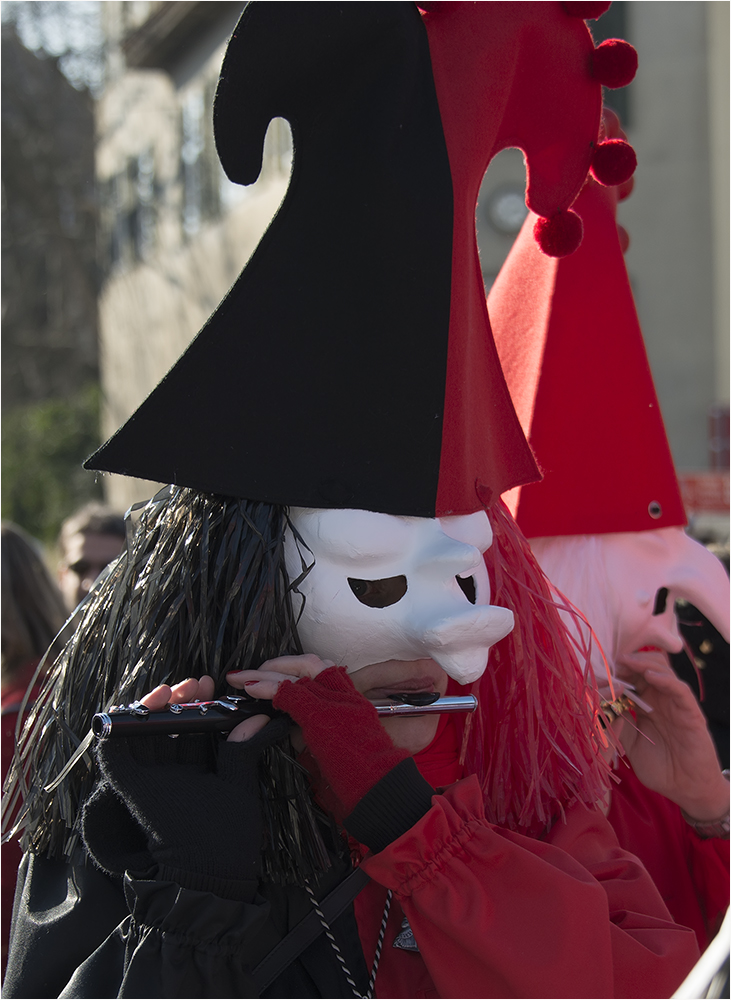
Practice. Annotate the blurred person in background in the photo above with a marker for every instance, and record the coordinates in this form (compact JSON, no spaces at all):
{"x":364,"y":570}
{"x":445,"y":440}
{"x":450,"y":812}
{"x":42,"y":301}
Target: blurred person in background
{"x":90,"y":539}
{"x":704,"y":664}
{"x":33,"y":613}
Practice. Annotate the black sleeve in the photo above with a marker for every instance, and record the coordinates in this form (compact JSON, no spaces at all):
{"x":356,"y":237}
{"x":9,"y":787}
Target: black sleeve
{"x":62,"y":913}
{"x":78,"y":932}
{"x":171,"y":905}
{"x":391,"y":807}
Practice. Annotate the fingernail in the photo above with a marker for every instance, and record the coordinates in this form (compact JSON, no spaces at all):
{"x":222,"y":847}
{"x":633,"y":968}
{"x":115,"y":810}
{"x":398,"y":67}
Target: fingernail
{"x":247,"y":684}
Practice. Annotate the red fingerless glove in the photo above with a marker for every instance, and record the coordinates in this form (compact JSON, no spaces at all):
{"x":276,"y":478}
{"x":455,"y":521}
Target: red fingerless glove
{"x":342,"y":732}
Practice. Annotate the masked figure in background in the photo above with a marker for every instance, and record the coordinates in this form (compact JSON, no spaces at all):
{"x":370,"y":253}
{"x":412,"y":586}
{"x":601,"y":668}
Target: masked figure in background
{"x":606,"y":524}
{"x":339,"y":435}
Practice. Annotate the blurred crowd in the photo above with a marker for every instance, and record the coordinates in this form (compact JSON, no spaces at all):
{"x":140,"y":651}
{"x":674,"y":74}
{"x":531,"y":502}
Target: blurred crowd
{"x":35,"y":606}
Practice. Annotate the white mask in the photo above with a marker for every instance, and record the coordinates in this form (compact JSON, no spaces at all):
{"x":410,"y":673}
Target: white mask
{"x":616,"y":580}
{"x":386,"y":588}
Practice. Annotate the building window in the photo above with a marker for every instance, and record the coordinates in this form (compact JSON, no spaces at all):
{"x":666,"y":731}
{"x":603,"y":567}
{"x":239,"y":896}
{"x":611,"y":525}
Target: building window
{"x":199,"y":161}
{"x":128,"y":212}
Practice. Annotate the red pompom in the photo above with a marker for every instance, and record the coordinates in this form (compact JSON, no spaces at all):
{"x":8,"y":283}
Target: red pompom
{"x":626,"y":189}
{"x":560,"y":235}
{"x":614,"y":162}
{"x":623,"y":238}
{"x":587,"y":11}
{"x":614,"y":63}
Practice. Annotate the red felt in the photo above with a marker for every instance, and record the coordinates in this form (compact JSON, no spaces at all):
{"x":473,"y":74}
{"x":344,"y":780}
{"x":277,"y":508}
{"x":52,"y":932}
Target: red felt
{"x":350,"y":766}
{"x":587,"y":11}
{"x":614,"y":162}
{"x":560,"y":235}
{"x":614,"y":63}
{"x":506,"y":74}
{"x":571,"y":347}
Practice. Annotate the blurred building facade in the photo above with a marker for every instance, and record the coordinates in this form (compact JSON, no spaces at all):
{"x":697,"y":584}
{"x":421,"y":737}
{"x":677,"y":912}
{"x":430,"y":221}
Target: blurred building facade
{"x":176,"y":233}
{"x":50,"y":394}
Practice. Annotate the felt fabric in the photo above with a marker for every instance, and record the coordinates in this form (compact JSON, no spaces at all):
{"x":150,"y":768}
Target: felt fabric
{"x":320,"y":379}
{"x":352,"y":364}
{"x":571,"y":347}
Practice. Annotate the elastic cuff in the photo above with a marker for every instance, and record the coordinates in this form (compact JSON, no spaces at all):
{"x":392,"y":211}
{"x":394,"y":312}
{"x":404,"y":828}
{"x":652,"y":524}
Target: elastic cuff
{"x":391,"y":807}
{"x":241,"y":890}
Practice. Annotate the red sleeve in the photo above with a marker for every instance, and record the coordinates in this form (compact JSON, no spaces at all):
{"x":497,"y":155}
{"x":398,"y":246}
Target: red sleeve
{"x":691,"y":874}
{"x":709,"y":868}
{"x":497,"y":914}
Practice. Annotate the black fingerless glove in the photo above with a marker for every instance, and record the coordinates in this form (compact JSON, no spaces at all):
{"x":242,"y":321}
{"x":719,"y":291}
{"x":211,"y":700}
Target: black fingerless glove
{"x":189,"y":807}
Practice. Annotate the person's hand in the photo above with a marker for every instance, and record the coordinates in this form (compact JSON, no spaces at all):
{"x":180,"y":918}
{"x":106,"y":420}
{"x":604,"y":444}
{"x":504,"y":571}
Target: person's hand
{"x":265,"y":682}
{"x":340,"y":728}
{"x":164,"y":802}
{"x":202,"y":690}
{"x":670,"y":748}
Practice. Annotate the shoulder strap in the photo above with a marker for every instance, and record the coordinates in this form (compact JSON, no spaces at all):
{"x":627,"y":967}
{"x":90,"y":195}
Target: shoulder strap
{"x":308,"y":930}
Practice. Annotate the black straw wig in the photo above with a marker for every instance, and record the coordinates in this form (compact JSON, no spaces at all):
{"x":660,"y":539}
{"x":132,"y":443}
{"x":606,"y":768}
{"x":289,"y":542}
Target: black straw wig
{"x":201,"y":589}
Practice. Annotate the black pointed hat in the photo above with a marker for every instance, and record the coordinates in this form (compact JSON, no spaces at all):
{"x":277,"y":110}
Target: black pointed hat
{"x":352,"y":363}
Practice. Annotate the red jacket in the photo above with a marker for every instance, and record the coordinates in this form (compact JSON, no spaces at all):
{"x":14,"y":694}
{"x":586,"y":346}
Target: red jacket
{"x":691,"y":874}
{"x":463,"y":885}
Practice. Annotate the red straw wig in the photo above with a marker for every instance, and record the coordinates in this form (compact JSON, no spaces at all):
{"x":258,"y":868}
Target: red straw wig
{"x":536,"y":741}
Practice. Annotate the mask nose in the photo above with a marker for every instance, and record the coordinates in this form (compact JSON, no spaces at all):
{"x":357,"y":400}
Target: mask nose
{"x":700,"y":578}
{"x":460,"y":644}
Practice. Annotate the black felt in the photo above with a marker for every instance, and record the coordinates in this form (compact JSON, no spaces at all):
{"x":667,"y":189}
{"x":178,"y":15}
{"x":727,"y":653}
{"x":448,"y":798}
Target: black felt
{"x":320,"y":379}
{"x":391,"y":807}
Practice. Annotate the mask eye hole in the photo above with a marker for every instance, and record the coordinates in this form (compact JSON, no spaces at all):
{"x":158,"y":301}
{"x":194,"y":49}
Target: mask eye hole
{"x":379,"y":593}
{"x":661,"y":601}
{"x":467,"y":586}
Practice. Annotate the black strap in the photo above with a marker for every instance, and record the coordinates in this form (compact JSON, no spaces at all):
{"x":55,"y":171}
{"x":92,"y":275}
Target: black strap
{"x":308,"y":930}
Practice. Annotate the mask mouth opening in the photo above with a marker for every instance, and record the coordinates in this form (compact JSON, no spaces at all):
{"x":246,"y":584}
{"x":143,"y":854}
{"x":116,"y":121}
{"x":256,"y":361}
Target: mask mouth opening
{"x":468,"y":588}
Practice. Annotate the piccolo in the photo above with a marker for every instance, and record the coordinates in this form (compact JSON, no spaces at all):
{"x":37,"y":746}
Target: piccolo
{"x":225,"y":713}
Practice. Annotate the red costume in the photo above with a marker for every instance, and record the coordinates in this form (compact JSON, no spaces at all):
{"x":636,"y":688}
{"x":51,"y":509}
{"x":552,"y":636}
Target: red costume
{"x":690,"y":873}
{"x":463,"y":884}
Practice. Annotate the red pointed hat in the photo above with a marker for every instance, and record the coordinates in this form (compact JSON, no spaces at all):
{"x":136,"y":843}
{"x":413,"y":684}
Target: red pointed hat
{"x":572,"y":351}
{"x":352,"y":363}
